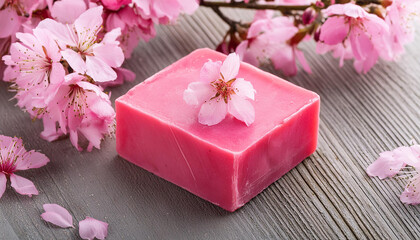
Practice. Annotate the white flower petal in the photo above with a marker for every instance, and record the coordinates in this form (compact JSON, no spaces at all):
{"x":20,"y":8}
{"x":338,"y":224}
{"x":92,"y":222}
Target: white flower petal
{"x":57,"y":215}
{"x":210,"y":71}
{"x":241,"y":109}
{"x":230,"y":66}
{"x":212,"y":112}
{"x":198,"y":92}
{"x":244,"y":88}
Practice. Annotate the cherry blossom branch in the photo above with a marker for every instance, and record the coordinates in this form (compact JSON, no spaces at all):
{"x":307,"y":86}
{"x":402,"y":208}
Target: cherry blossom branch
{"x":232,"y":23}
{"x":283,"y":8}
{"x":253,"y":5}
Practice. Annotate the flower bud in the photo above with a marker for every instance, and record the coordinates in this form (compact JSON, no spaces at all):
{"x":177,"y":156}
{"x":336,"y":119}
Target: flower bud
{"x":308,"y":16}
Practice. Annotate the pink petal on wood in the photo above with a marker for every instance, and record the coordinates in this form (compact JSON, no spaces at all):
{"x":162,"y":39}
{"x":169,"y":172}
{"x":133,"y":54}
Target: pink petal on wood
{"x":91,"y":228}
{"x":387,"y":165}
{"x":57,"y":215}
{"x":411,"y":194}
{"x":23,"y":186}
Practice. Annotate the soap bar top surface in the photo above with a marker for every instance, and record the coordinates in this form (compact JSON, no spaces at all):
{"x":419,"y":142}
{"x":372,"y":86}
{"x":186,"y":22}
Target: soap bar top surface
{"x":161,"y":96}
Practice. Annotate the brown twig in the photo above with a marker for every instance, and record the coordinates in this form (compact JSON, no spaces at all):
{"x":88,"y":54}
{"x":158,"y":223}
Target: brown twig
{"x":227,"y":20}
{"x":253,"y":5}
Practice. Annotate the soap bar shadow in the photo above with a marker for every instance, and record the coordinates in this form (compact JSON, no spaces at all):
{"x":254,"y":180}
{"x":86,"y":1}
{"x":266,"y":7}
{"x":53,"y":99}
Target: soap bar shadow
{"x":161,"y":194}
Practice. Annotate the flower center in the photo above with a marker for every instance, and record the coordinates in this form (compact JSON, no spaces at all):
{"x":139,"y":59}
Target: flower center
{"x":77,"y":101}
{"x":9,"y":158}
{"x":224,"y":89}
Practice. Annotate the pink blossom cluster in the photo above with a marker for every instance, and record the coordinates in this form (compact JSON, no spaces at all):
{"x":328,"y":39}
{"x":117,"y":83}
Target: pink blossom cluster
{"x":391,"y":163}
{"x":59,"y":56}
{"x":362,"y":33}
{"x":54,"y":70}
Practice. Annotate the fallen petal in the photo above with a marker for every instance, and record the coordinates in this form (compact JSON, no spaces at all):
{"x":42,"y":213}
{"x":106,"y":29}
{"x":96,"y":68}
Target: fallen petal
{"x":57,"y":215}
{"x":411,"y":194}
{"x":91,"y":228}
{"x":385,"y":166}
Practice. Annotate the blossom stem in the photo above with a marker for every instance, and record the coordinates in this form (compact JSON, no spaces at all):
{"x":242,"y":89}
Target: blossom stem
{"x":227,"y":20}
{"x":366,"y":2}
{"x":283,"y":8}
{"x":252,"y":5}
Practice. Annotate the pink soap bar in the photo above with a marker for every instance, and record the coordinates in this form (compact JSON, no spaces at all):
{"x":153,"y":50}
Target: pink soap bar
{"x":228,"y":163}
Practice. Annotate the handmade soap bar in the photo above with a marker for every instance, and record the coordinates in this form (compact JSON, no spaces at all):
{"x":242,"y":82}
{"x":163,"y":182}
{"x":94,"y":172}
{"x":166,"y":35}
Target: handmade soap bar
{"x":227,"y":163}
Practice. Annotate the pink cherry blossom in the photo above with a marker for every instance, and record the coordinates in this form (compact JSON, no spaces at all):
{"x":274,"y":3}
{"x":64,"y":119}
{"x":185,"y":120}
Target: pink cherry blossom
{"x":34,"y":64}
{"x":57,"y":215}
{"x":365,"y":33}
{"x":91,"y":228}
{"x":268,"y":40}
{"x":400,"y":17}
{"x":392,"y":162}
{"x":14,"y":157}
{"x":79,"y":107}
{"x":134,"y":27}
{"x":219,"y":92}
{"x":81,"y":48}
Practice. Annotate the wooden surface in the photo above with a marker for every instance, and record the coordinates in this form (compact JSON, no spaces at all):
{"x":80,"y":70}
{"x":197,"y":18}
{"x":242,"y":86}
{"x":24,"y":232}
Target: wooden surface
{"x":328,"y":196}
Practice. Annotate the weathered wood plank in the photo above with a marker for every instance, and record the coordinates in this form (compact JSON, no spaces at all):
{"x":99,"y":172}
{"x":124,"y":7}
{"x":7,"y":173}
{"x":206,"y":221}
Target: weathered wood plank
{"x":328,"y":196}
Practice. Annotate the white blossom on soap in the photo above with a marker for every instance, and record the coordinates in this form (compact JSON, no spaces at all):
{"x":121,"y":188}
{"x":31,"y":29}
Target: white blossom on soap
{"x":219,"y":92}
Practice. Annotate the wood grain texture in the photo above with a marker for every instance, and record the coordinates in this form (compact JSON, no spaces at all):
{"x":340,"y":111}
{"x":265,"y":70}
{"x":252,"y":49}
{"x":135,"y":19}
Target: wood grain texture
{"x":328,"y":196}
